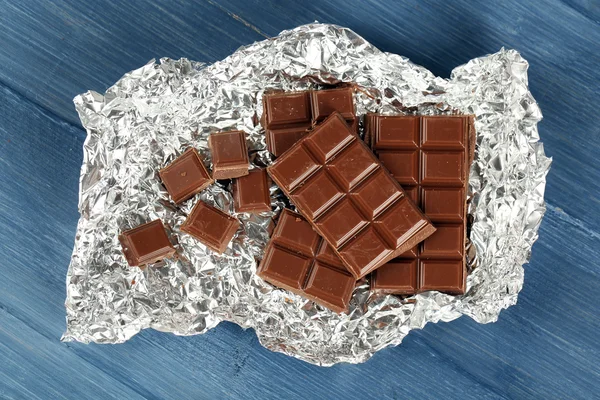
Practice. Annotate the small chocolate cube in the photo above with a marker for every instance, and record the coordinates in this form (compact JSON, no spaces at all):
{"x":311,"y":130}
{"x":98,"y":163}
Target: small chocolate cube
{"x":186,"y":176}
{"x":146,"y":244}
{"x":229,"y":154}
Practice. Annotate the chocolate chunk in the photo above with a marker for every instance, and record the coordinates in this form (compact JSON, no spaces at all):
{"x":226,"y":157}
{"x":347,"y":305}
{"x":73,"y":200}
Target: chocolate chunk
{"x":326,"y":102}
{"x":186,"y":176}
{"x":430,"y":158}
{"x":299,"y":260}
{"x":211,"y":226}
{"x":229,"y":154}
{"x":251,"y":192}
{"x":146,"y":244}
{"x":287,"y":117}
{"x":337,"y":183}
{"x":282,"y":110}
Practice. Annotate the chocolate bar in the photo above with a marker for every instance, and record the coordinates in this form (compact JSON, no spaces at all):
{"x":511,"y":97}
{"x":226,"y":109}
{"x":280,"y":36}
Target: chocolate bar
{"x":299,"y":260}
{"x":146,"y":244}
{"x":430,"y":158}
{"x":186,"y":176}
{"x":287,"y":117}
{"x":229,"y":154}
{"x":337,"y":183}
{"x":251,"y":192}
{"x":211,"y":226}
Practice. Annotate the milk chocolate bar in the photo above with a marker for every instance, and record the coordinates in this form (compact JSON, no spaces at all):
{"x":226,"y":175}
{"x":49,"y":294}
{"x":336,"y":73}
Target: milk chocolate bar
{"x":287,"y":117}
{"x":146,"y":244}
{"x":185,"y":176}
{"x":299,"y":260}
{"x":211,"y":226}
{"x":229,"y":154}
{"x":337,"y":183}
{"x":430,"y":158}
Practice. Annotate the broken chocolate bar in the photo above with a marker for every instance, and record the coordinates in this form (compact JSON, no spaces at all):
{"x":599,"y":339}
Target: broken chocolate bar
{"x":146,"y":244}
{"x":337,"y":183}
{"x":287,"y":117}
{"x":299,"y":260}
{"x":430,"y":158}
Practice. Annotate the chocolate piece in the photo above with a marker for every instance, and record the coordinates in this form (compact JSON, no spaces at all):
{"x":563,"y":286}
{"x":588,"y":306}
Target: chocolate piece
{"x":146,"y":244}
{"x":341,"y":188}
{"x":430,"y":157}
{"x":287,"y":117}
{"x":251,"y":192}
{"x":211,"y":226}
{"x":326,"y":102}
{"x":279,"y":140}
{"x":299,"y":260}
{"x":185,"y":176}
{"x":282,"y":110}
{"x":229,"y":154}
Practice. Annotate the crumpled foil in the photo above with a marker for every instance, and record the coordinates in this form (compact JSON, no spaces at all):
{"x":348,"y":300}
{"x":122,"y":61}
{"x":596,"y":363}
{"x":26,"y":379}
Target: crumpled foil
{"x":149,"y":116}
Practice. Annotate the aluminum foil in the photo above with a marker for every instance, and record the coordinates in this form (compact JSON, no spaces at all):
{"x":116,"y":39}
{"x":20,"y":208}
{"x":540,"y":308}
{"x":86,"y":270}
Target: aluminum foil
{"x":151,"y":114}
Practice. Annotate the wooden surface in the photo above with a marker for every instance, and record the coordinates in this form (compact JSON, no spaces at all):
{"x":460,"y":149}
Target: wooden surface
{"x":547,"y":346}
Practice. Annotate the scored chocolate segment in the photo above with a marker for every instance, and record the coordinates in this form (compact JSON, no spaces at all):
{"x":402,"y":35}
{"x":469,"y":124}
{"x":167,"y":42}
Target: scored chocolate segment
{"x":283,"y":110}
{"x":278,"y":141}
{"x":186,"y":176}
{"x":229,"y":154}
{"x":326,"y":102}
{"x":251,"y":192}
{"x":299,"y":260}
{"x":337,"y":183}
{"x":430,"y":157}
{"x":146,"y":244}
{"x":287,"y":117}
{"x":210,"y":226}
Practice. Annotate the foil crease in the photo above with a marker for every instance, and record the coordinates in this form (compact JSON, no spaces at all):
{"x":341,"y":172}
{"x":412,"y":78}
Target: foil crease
{"x":151,"y":114}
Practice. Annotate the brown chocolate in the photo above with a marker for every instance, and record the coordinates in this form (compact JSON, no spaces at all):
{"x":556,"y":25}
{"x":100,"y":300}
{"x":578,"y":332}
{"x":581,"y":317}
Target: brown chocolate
{"x":337,"y":183}
{"x":210,"y":226}
{"x":251,"y":192}
{"x":287,"y":117}
{"x":326,"y":102}
{"x":186,"y":176}
{"x":229,"y":154}
{"x":146,"y":244}
{"x":430,"y":158}
{"x":299,"y":260}
{"x":283,"y":110}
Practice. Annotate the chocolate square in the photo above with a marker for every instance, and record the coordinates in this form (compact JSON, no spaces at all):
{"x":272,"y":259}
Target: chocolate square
{"x":251,"y":192}
{"x":229,"y":154}
{"x":211,"y":226}
{"x":186,"y":176}
{"x":146,"y":244}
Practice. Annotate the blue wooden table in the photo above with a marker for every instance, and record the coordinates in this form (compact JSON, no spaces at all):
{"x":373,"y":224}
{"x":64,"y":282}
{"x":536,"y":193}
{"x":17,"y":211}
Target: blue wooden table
{"x":547,"y":346}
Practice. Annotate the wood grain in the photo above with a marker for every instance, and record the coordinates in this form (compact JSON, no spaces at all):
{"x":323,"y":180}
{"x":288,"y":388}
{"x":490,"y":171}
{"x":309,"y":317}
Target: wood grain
{"x":544,"y":347}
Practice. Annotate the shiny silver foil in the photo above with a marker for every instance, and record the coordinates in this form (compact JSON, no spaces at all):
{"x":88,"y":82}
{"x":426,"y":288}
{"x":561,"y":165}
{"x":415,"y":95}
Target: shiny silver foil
{"x":152,"y":114}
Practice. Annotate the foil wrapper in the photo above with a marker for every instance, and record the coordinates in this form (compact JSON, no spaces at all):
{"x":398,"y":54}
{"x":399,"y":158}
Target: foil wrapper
{"x":151,"y":114}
